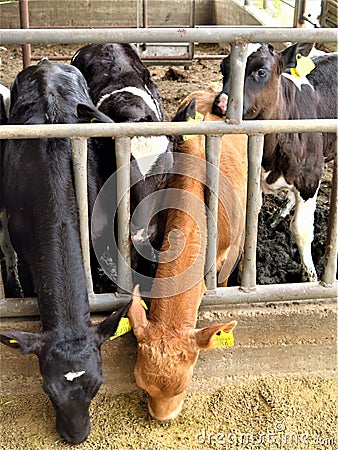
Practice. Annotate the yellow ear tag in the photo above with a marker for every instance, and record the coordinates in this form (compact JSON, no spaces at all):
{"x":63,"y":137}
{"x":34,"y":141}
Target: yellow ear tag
{"x":198,"y":118}
{"x":124,"y":325}
{"x":223,"y":339}
{"x":13,"y":341}
{"x":304,"y":66}
{"x":93,"y":120}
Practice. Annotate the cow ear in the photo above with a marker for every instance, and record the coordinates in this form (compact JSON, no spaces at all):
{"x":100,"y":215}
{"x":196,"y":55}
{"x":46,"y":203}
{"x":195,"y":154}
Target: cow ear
{"x":86,"y":114}
{"x":289,"y":54}
{"x":26,"y":342}
{"x":186,"y":113}
{"x":108,"y":327}
{"x":137,"y":315}
{"x":204,"y":337}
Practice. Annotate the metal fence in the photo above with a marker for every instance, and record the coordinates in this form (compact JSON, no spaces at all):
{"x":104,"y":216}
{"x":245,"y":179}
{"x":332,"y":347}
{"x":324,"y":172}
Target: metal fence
{"x":239,"y":37}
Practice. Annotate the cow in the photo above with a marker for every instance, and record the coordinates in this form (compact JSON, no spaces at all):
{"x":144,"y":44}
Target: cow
{"x":121,"y":87}
{"x":12,"y":282}
{"x":168,"y":343}
{"x":290,"y":161}
{"x":43,"y":223}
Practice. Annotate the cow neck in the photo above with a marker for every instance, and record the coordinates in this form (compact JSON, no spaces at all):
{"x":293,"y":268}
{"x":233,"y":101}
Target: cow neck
{"x":58,"y":269}
{"x":63,"y":298}
{"x":179,"y":284}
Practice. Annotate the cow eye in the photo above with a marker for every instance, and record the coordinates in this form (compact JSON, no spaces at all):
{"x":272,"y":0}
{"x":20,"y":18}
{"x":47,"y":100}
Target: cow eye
{"x":262,"y":73}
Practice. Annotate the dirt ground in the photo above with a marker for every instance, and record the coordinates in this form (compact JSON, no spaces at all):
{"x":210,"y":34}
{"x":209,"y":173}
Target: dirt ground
{"x":266,"y":413}
{"x":260,"y":413}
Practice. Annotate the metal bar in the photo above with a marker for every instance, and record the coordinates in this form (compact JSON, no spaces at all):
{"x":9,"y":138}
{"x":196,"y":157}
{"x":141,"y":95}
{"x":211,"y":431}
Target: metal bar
{"x":298,"y":16}
{"x":271,"y":293}
{"x":330,"y":270}
{"x":24,"y":23}
{"x":255,"y":154}
{"x":181,"y":34}
{"x":79,"y":155}
{"x":122,"y":150}
{"x":249,"y":127}
{"x":237,"y":74}
{"x":213,"y":153}
{"x":2,"y":289}
{"x":145,"y":14}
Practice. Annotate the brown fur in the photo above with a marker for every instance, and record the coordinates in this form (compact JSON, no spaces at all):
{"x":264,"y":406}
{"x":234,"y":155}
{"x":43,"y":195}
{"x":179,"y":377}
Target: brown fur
{"x":168,"y":342}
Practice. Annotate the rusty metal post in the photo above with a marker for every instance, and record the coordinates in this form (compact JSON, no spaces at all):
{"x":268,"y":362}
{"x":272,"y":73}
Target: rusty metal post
{"x":213,"y":153}
{"x":237,"y":64}
{"x":122,"y":150}
{"x":329,"y":276}
{"x":255,"y":154}
{"x":24,"y":23}
{"x":79,"y":155}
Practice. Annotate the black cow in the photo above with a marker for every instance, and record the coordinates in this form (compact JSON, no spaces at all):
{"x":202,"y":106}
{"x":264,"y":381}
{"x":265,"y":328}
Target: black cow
{"x":44,"y":228}
{"x":121,"y":87}
{"x":290,"y":161}
{"x":11,"y":279}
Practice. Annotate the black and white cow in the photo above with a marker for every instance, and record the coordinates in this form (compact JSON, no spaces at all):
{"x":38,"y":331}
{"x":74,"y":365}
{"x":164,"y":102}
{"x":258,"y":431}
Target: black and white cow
{"x":43,"y":223}
{"x":121,"y":87}
{"x":290,"y":161}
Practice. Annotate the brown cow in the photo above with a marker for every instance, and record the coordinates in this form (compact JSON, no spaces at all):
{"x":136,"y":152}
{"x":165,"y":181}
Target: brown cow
{"x":168,"y":343}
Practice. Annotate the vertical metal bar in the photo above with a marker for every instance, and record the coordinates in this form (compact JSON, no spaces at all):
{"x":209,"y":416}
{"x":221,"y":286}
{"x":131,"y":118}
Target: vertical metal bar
{"x":265,"y":4}
{"x":255,"y":153}
{"x":122,"y":150}
{"x":24,"y":23}
{"x":192,"y":18}
{"x":330,"y":266}
{"x":298,"y":16}
{"x":145,"y":14}
{"x":2,"y":289}
{"x":237,"y":66}
{"x":79,"y":155}
{"x":213,"y":153}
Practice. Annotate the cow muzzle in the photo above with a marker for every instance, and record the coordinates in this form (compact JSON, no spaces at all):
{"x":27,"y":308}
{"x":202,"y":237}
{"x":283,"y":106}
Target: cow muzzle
{"x":165,"y":410}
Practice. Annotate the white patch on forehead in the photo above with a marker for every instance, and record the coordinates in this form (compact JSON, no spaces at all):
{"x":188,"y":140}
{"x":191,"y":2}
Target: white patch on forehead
{"x":145,"y":94}
{"x":298,"y":82}
{"x":252,"y":48}
{"x":146,"y":150}
{"x":70,"y":376}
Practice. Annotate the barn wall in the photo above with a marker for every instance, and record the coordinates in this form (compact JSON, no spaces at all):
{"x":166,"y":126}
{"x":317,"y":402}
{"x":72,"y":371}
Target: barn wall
{"x":122,"y":13}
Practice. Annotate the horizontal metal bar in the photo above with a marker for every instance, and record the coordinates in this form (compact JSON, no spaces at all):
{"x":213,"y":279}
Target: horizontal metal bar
{"x":99,"y":303}
{"x":249,"y":127}
{"x":179,"y":34}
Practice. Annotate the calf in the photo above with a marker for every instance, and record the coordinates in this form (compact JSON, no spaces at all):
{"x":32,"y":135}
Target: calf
{"x":44,"y":228}
{"x":11,"y":280}
{"x":290,"y":161}
{"x":122,"y":88}
{"x":168,"y":343}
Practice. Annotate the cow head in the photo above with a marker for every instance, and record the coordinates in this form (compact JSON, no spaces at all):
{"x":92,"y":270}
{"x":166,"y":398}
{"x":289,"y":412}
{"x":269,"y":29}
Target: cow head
{"x":262,"y":79}
{"x":71,"y":371}
{"x":166,"y":359}
{"x":151,"y":161}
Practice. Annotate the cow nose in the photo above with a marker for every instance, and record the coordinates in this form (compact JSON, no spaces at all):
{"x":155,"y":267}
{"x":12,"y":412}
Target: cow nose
{"x":223,"y":103}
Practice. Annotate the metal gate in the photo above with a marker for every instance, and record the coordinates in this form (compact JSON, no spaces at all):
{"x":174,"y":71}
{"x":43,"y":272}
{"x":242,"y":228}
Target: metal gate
{"x":239,"y":38}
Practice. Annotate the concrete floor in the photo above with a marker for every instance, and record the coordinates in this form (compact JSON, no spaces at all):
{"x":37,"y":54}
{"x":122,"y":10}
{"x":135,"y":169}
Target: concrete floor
{"x":276,"y":339}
